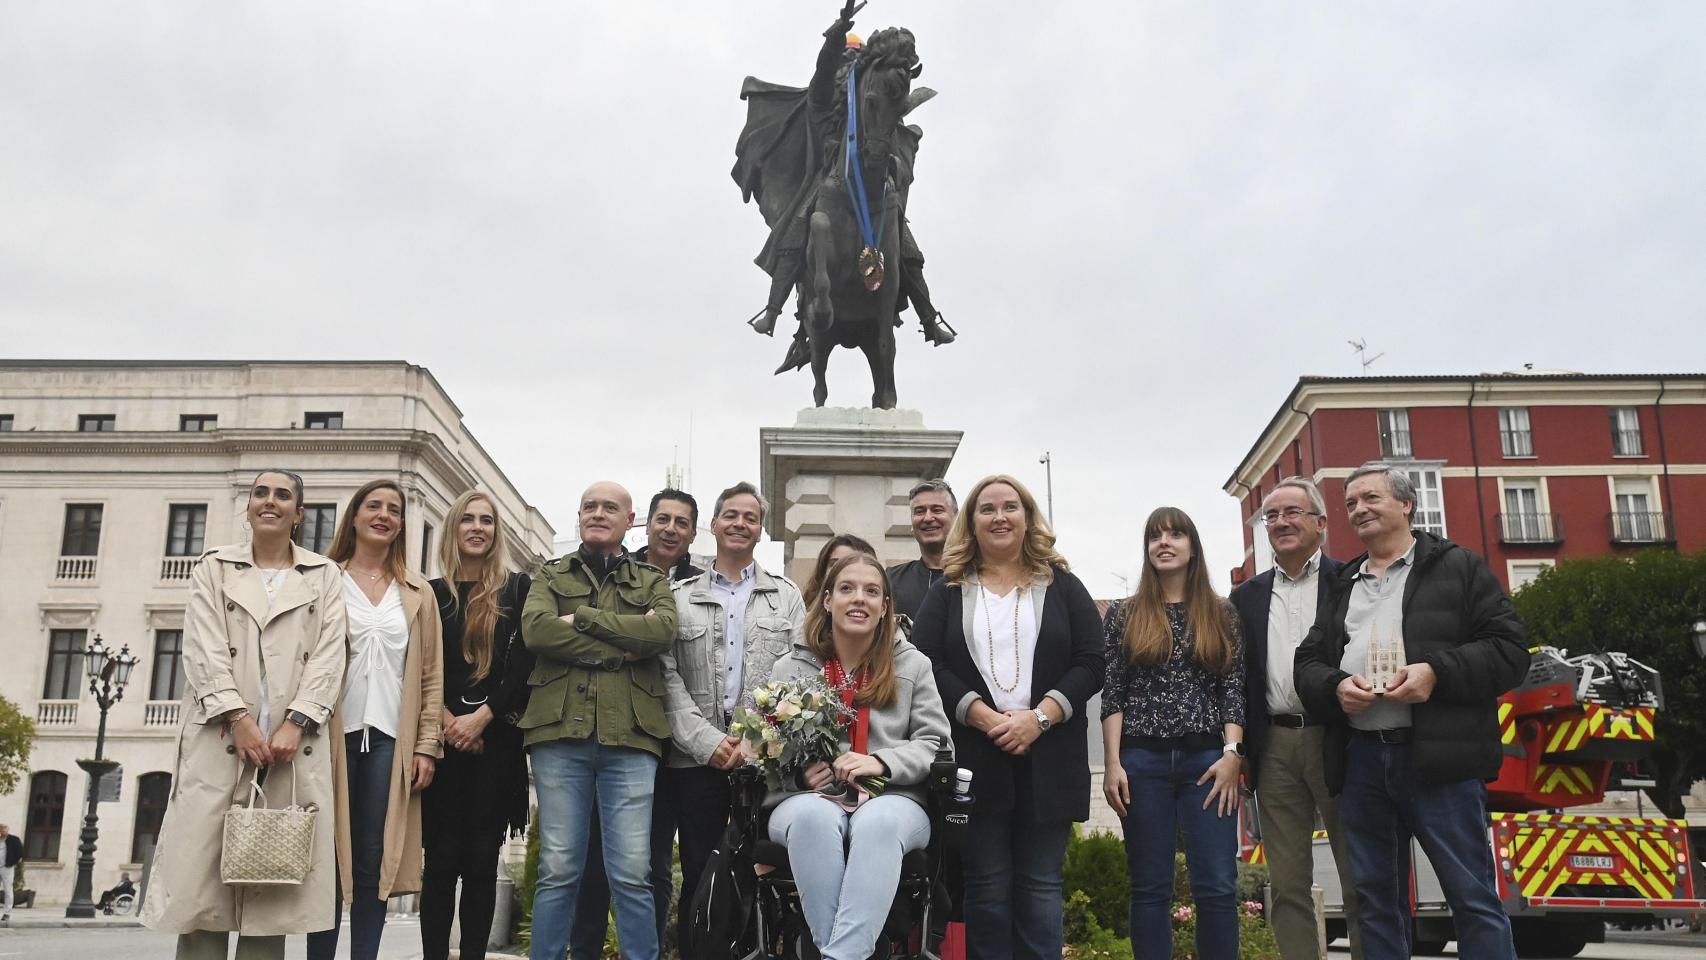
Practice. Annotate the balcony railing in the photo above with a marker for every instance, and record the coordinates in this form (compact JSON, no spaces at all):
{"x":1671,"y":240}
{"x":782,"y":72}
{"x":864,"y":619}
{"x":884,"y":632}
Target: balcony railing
{"x":77,"y":568}
{"x":1530,"y":528}
{"x":160,"y":713}
{"x":56,"y":713}
{"x":1626,"y":443}
{"x":1641,"y":527}
{"x":176,"y":569}
{"x":1517,"y":443}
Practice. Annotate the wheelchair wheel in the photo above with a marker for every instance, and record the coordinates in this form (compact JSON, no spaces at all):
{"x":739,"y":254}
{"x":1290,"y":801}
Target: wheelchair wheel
{"x":123,"y":905}
{"x":797,"y":939}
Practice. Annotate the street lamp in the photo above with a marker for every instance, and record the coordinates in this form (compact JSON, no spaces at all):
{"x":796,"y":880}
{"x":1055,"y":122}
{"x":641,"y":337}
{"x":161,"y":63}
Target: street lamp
{"x":1699,"y":632}
{"x":1048,"y":473}
{"x":108,"y":673}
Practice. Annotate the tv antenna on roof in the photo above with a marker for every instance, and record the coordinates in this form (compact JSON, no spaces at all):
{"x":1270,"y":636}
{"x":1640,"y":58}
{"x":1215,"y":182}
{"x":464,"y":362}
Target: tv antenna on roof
{"x":1361,"y":347}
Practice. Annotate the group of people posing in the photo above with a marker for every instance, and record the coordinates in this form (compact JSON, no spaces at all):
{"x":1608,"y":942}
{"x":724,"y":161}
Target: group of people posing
{"x":409,"y":711}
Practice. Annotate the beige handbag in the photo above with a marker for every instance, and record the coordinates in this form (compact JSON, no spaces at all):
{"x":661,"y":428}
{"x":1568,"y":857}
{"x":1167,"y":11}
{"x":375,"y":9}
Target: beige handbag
{"x":268,"y":846}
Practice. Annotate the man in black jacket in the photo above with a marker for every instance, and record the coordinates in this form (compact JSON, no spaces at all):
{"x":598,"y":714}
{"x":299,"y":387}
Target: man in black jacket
{"x":1412,"y":747}
{"x":1283,"y":765}
{"x":933,"y":512}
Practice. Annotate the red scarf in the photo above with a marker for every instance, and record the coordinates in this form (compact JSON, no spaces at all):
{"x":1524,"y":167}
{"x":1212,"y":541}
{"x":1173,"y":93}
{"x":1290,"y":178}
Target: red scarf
{"x":837,"y":677}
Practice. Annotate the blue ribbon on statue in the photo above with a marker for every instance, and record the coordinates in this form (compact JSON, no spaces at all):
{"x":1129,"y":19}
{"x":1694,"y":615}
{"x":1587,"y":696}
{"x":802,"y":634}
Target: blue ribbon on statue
{"x":852,"y":175}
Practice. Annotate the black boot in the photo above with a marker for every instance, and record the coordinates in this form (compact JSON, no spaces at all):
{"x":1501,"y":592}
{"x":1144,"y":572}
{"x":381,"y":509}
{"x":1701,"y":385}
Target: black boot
{"x":936,"y":329}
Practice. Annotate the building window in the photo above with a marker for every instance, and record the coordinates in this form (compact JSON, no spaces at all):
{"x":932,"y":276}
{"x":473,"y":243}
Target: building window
{"x":426,"y":550}
{"x":1633,"y":517}
{"x":1524,"y":572}
{"x":1514,"y":436}
{"x":319,"y":525}
{"x":1626,"y":432}
{"x":186,"y":530}
{"x":1524,"y":519}
{"x":46,"y":816}
{"x":1394,"y":434}
{"x":65,"y":664}
{"x":167,"y":680}
{"x":325,"y":420}
{"x":5,"y":423}
{"x":1430,"y":502}
{"x":152,"y":792}
{"x":197,"y":422}
{"x":97,"y":423}
{"x":82,"y":530}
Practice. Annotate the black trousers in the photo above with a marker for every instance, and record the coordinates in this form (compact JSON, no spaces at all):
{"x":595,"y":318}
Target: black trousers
{"x":473,"y":859}
{"x":701,"y":797}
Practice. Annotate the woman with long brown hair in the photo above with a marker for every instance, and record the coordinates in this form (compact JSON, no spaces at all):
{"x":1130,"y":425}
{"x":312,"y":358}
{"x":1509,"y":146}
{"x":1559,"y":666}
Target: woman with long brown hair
{"x":1173,"y":735}
{"x":1017,"y":648}
{"x":385,"y":736}
{"x":479,"y":791}
{"x":898,"y":726}
{"x":839,"y":546}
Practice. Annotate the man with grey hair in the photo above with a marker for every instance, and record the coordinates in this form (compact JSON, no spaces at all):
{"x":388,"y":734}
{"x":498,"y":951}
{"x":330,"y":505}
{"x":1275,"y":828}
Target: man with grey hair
{"x":1408,"y":658}
{"x":1283,"y":765}
{"x":736,"y":621}
{"x":933,"y":511}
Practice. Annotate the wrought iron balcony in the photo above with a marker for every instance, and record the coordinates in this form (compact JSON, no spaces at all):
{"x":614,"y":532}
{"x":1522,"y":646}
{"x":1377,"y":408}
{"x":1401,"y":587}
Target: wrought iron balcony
{"x":1516,"y":443}
{"x":1641,"y":527}
{"x":1537,"y":528}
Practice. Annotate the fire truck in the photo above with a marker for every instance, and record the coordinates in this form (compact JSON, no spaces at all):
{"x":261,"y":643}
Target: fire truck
{"x":1571,"y":731}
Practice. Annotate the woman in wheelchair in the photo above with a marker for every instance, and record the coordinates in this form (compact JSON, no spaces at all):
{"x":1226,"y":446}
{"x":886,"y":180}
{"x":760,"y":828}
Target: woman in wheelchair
{"x":845,"y":847}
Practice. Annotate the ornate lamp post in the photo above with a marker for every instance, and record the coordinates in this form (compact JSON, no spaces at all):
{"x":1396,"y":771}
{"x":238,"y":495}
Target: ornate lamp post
{"x":108,"y":673}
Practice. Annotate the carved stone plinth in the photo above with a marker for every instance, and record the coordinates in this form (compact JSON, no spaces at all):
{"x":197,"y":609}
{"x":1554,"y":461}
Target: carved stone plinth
{"x":848,"y":470}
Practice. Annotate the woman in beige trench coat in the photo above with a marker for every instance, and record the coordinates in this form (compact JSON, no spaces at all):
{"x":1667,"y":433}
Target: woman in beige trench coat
{"x":392,"y":705}
{"x":264,"y":664}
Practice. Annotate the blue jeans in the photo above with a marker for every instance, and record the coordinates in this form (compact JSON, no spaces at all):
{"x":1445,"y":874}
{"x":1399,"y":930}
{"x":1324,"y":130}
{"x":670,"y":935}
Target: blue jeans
{"x":571,"y":778}
{"x":1013,"y":900}
{"x":1167,"y":801}
{"x":847,"y":898}
{"x":1381,"y":808}
{"x":592,"y":904}
{"x":369,"y":774}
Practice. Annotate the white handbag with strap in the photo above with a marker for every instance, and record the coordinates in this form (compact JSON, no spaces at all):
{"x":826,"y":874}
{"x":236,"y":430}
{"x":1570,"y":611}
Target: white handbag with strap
{"x":268,"y":845}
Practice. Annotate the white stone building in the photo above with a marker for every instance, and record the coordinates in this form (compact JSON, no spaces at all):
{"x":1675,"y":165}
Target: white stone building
{"x":114,"y":477}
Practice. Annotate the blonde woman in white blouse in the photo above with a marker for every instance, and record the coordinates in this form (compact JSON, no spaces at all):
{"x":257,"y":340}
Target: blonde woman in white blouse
{"x":385,"y":736}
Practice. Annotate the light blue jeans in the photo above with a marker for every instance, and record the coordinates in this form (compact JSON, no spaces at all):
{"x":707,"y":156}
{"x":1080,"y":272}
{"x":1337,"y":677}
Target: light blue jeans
{"x":571,"y":777}
{"x":846,"y":899}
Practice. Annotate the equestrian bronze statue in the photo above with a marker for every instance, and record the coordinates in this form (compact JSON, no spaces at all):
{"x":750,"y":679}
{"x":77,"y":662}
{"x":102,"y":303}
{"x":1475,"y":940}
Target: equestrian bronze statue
{"x":830,"y":166}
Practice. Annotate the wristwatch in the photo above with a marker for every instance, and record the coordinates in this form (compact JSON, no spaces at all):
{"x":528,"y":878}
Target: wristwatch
{"x":302,"y":720}
{"x":1235,"y":747}
{"x":1043,"y":722}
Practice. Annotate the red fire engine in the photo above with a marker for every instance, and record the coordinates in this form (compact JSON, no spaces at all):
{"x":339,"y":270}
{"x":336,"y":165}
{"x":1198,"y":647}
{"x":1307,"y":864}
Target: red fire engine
{"x":1567,"y":730}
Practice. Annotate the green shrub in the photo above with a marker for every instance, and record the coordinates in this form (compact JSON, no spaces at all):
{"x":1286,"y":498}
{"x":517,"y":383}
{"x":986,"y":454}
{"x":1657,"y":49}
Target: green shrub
{"x":1252,"y":882}
{"x":1255,"y":938}
{"x":1096,"y":865}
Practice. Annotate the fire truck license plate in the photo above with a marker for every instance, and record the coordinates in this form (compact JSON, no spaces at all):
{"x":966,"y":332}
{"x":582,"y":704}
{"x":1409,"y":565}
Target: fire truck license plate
{"x":1582,"y":861}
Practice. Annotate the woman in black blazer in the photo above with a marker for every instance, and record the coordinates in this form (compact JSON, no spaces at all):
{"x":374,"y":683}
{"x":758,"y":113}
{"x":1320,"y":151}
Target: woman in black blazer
{"x":1017,"y":648}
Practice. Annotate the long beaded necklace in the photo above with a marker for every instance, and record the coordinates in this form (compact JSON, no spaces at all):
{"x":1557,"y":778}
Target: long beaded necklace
{"x":989,"y":625}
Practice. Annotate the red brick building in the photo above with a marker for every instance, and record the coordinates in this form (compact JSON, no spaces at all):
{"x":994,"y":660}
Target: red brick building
{"x":1523,"y":468}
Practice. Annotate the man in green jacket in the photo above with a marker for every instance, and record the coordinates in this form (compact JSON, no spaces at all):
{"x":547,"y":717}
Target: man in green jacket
{"x":595,"y":725}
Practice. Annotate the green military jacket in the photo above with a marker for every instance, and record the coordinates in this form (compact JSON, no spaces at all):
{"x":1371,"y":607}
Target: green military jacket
{"x":599,"y":676}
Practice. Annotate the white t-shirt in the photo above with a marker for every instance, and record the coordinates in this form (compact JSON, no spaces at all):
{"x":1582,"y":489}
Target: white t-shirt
{"x":1003,"y":653}
{"x":378,"y":642}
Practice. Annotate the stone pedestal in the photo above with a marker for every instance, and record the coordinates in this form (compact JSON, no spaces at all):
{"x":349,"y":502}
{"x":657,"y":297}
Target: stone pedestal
{"x":848,"y":470}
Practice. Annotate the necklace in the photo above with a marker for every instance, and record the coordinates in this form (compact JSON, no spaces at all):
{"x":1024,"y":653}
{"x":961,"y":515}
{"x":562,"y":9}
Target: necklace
{"x":989,"y":625}
{"x":350,"y":568}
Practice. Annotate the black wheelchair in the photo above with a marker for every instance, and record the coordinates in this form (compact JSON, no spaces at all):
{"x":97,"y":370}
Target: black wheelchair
{"x":741,"y":913}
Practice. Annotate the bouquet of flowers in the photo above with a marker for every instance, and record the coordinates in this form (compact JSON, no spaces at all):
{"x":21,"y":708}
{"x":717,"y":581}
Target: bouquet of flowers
{"x":793,"y":724}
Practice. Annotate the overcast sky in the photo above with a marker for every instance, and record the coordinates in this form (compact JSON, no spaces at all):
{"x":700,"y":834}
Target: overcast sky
{"x":1146,"y":220}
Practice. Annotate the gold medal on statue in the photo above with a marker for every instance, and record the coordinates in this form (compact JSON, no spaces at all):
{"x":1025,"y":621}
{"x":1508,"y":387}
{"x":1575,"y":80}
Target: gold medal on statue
{"x":871,"y":268}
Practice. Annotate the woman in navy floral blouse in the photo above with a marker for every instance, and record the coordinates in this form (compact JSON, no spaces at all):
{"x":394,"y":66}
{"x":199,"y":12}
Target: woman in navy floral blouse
{"x":1173,"y":730}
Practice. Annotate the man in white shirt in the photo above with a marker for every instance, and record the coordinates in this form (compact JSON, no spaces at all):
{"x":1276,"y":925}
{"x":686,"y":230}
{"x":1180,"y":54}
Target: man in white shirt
{"x":1284,"y":763}
{"x":735,"y":621}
